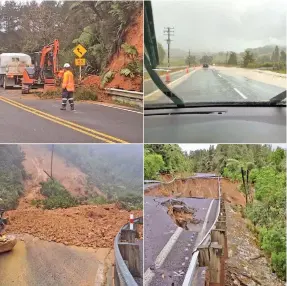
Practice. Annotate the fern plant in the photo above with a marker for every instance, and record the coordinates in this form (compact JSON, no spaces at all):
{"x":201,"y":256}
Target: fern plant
{"x":130,"y":50}
{"x":132,"y":69}
{"x":107,"y":77}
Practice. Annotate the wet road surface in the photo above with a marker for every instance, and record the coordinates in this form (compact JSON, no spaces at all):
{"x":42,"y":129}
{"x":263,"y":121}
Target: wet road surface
{"x":150,"y":86}
{"x":168,"y":248}
{"x":211,"y":84}
{"x":34,"y":262}
{"x":25,"y":120}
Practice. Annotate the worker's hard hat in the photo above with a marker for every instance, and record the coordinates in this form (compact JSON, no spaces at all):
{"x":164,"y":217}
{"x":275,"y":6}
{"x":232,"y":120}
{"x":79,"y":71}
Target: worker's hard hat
{"x":66,"y":65}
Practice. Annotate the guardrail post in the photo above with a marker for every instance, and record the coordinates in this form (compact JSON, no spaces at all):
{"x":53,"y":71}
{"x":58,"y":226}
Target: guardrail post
{"x":218,"y":235}
{"x":215,"y":262}
{"x":128,"y":235}
{"x":131,"y":255}
{"x":203,"y":256}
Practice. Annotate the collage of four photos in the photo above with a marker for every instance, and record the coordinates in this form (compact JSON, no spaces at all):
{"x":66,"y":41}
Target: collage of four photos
{"x":143,"y":143}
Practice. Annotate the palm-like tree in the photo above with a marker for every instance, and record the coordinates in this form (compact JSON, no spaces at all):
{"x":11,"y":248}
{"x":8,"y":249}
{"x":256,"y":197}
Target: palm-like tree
{"x":245,"y":167}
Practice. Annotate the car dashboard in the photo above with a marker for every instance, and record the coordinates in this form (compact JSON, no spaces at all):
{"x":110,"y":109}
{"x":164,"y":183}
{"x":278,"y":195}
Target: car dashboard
{"x":216,"y":124}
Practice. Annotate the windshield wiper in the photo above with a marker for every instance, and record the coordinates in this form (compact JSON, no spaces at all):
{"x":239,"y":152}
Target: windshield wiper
{"x":162,"y":87}
{"x":278,"y":98}
{"x":151,"y":55}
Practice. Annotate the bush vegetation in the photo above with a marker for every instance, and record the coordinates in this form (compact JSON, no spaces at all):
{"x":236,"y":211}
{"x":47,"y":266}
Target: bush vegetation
{"x":12,"y":175}
{"x":56,"y":196}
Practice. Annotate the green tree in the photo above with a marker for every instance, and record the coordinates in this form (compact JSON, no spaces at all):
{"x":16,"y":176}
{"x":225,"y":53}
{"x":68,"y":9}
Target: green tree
{"x":232,"y":59}
{"x":244,"y":167}
{"x":283,"y":56}
{"x":276,"y":55}
{"x":247,"y":58}
{"x":161,"y":52}
{"x":153,"y":163}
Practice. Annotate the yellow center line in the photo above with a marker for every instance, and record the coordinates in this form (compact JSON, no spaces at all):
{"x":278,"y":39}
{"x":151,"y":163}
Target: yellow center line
{"x":90,"y":132}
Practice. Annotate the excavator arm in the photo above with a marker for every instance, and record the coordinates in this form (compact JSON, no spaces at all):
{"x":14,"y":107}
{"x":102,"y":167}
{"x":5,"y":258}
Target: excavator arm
{"x":49,"y":56}
{"x":46,"y":68}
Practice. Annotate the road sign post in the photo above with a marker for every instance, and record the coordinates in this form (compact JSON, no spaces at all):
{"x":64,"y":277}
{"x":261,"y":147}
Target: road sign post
{"x":80,"y":51}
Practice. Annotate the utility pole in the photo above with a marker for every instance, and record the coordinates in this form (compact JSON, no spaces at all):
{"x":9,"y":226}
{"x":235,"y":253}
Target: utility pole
{"x":169,"y":32}
{"x":52,"y":161}
{"x":189,"y":58}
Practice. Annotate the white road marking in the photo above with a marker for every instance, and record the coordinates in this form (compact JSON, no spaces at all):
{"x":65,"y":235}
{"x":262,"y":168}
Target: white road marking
{"x":171,"y":85}
{"x":219,"y":75}
{"x":148,"y":275}
{"x":115,"y":107}
{"x":202,"y":232}
{"x":100,"y":275}
{"x":240,"y":93}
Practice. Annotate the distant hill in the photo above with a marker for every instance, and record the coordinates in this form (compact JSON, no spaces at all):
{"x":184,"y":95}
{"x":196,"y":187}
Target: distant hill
{"x":220,"y":57}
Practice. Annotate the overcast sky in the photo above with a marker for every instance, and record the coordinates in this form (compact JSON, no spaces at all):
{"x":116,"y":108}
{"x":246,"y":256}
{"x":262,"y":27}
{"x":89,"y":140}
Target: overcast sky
{"x":215,"y":25}
{"x":193,"y":147}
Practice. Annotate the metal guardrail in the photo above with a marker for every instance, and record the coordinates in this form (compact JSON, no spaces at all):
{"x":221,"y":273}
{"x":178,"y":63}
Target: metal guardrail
{"x":193,"y":263}
{"x":125,"y":93}
{"x":124,"y":276}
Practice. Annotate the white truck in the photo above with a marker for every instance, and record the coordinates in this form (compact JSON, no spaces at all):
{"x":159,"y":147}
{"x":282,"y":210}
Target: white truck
{"x":12,"y":66}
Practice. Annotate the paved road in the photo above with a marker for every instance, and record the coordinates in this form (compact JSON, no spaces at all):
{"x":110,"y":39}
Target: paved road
{"x":41,"y":121}
{"x":213,"y":84}
{"x":167,"y":262}
{"x":40,"y":263}
{"x":150,"y":86}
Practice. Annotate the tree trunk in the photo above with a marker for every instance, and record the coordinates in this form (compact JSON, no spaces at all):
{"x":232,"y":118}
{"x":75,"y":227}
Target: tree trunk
{"x":244,"y":185}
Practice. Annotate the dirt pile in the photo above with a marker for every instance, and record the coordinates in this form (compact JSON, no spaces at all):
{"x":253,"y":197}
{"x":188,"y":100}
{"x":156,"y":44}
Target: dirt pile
{"x":199,"y":187}
{"x":187,"y":188}
{"x":87,"y":226}
{"x":134,"y":37}
{"x":92,"y":80}
{"x":38,"y":160}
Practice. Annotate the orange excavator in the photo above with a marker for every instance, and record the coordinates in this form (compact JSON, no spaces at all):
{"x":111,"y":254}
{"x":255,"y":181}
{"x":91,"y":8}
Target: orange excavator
{"x":45,"y":72}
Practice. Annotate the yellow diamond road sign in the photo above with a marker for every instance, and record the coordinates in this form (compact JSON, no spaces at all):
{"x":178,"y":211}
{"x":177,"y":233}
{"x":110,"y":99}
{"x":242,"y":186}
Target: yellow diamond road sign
{"x":80,"y":62}
{"x":79,"y":51}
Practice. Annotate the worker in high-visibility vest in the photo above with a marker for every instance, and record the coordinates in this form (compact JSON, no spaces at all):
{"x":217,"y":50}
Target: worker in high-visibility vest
{"x":68,"y":86}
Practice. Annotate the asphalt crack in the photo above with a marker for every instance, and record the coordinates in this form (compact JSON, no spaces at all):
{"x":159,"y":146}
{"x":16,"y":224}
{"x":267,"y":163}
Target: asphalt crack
{"x":180,"y":213}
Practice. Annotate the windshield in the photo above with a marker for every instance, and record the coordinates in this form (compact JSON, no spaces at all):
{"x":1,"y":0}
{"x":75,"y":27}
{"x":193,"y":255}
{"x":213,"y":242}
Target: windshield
{"x":215,"y":51}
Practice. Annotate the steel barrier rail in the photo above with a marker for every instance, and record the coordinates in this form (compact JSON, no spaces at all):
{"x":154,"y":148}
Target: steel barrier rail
{"x":193,"y":263}
{"x":125,"y":93}
{"x":124,"y":275}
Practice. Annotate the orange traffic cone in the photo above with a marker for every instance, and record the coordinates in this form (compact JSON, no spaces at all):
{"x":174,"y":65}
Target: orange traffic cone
{"x":187,"y":70}
{"x":167,"y":77}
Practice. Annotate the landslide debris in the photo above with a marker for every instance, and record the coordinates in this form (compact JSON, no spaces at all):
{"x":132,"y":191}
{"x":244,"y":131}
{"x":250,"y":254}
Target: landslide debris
{"x":199,"y":187}
{"x":112,"y":77}
{"x":180,"y":213}
{"x":87,"y":226}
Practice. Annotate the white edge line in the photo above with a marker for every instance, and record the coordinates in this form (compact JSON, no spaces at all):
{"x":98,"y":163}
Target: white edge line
{"x":219,"y":75}
{"x":206,"y":220}
{"x":162,"y":76}
{"x":148,"y":275}
{"x":100,"y":276}
{"x":241,"y":94}
{"x":170,"y":84}
{"x":117,"y":107}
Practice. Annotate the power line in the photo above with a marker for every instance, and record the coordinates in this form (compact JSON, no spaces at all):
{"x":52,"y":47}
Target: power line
{"x":169,"y":32}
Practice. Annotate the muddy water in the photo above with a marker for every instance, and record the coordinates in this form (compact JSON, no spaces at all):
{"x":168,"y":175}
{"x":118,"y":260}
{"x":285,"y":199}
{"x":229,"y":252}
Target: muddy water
{"x":34,"y":262}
